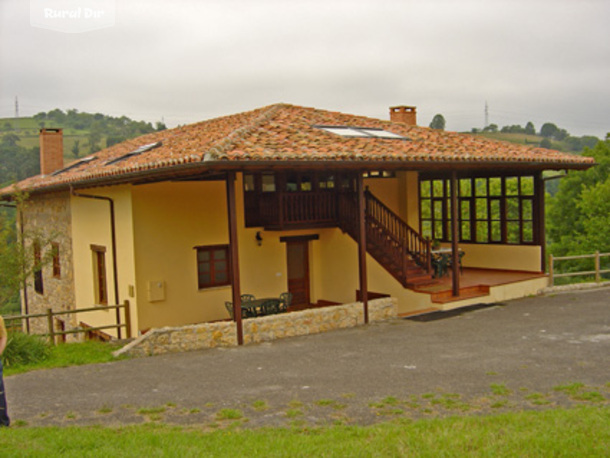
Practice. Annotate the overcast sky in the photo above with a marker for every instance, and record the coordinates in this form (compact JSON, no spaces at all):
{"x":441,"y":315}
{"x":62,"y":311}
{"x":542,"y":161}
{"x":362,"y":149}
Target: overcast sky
{"x":184,"y":61}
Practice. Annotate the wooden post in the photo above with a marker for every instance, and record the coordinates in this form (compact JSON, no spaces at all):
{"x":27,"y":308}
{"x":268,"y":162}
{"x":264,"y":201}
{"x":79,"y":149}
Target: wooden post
{"x":455,"y":255}
{"x":234,"y":257}
{"x":551,"y":280}
{"x":127,"y":319}
{"x":362,"y":246}
{"x":51,"y":327}
{"x":539,"y":226}
{"x":597,"y":267}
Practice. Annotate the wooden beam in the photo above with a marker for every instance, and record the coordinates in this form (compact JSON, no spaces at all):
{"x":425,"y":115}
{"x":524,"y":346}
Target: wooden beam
{"x":234,"y":256}
{"x":362,"y":246}
{"x":539,"y":226}
{"x":455,"y":255}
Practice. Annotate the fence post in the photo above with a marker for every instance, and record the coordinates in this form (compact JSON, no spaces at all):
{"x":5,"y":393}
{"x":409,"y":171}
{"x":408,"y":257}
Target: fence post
{"x":551,"y":270}
{"x":597,"y":267}
{"x":127,"y":319}
{"x":50,"y":324}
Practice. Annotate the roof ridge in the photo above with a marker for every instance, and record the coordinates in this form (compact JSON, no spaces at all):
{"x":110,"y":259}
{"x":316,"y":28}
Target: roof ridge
{"x":229,"y":141}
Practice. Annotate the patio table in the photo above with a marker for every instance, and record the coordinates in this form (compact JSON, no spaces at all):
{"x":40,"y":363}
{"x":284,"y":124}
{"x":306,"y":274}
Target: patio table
{"x":441,"y":260}
{"x":254,"y":307}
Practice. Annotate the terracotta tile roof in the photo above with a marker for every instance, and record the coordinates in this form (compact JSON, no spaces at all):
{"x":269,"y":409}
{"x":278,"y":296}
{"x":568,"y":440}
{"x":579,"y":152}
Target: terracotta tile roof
{"x":285,"y":133}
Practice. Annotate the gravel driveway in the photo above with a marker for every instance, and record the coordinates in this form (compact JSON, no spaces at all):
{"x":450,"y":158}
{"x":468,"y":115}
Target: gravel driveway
{"x":532,"y":353}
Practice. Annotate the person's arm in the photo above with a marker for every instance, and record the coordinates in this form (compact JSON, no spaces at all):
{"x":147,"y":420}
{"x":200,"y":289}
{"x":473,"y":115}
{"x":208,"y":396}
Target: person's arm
{"x":3,"y":340}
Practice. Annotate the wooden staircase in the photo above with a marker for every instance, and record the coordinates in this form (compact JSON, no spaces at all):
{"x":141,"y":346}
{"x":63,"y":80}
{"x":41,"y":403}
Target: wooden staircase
{"x":389,"y":240}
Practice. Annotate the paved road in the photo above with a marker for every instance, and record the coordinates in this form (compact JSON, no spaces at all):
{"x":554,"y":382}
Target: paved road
{"x":506,"y":356}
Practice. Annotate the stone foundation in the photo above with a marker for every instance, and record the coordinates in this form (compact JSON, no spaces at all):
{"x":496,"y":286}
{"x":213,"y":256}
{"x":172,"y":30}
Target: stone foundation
{"x":262,"y":329}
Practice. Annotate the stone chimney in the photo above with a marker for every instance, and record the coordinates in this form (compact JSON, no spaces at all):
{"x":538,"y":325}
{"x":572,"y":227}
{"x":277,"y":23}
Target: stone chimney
{"x":402,"y":113}
{"x":51,"y":150}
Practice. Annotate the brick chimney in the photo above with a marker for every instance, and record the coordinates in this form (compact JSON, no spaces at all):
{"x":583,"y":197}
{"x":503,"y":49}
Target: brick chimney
{"x":405,"y":114}
{"x":51,"y":150}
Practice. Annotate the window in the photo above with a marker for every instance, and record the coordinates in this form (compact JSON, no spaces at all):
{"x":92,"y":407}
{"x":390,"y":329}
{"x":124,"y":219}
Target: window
{"x":56,"y":260}
{"x":38,"y":283}
{"x":361,"y":132}
{"x":490,"y":209}
{"x":213,"y":266}
{"x":99,"y":274}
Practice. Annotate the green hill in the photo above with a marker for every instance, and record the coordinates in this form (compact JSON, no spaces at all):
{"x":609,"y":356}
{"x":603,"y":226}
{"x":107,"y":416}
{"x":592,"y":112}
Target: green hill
{"x":84,"y":134}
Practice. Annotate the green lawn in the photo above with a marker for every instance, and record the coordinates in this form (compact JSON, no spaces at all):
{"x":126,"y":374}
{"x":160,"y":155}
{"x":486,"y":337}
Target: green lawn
{"x":562,"y":432}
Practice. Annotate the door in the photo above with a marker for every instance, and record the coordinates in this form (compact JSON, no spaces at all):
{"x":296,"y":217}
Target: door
{"x":298,"y":271}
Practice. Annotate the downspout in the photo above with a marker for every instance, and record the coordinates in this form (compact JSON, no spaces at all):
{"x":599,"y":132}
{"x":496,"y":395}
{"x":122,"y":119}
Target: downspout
{"x":26,"y":305}
{"x":114,"y":251}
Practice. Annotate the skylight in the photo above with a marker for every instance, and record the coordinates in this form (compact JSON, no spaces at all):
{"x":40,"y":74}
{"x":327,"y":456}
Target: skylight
{"x":140,"y":150}
{"x":361,"y":132}
{"x":84,"y":160}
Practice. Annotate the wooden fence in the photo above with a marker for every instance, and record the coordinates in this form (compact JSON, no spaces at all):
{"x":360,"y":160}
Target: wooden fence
{"x":597,"y":270}
{"x":53,"y":333}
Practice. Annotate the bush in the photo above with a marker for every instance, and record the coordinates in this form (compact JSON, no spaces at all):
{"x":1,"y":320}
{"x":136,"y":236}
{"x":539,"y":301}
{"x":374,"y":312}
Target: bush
{"x":25,"y":349}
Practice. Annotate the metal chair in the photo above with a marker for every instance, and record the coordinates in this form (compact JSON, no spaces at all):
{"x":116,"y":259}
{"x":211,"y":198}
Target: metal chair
{"x":285,"y":301}
{"x":247,"y":297}
{"x":244,"y":312}
{"x":270,"y":307}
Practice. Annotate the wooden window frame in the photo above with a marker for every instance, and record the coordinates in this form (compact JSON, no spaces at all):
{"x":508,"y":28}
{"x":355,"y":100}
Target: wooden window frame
{"x":100,"y":274}
{"x":213,"y":266}
{"x":56,"y":260}
{"x":493,"y":213}
{"x":38,"y":278}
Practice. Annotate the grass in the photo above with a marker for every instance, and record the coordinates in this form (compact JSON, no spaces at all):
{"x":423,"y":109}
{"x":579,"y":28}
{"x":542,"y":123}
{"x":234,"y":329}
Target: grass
{"x":71,"y":354}
{"x":562,"y":432}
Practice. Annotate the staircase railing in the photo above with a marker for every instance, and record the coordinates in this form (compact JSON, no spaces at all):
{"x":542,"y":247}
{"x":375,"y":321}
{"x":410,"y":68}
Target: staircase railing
{"x":387,"y":232}
{"x":415,"y":245}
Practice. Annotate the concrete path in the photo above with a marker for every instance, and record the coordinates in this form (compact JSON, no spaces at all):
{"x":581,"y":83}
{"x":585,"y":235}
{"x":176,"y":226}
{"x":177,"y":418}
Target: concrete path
{"x":514,"y":355}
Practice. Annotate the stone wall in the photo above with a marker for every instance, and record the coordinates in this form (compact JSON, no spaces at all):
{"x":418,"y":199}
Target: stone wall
{"x":262,"y":329}
{"x":48,"y":219}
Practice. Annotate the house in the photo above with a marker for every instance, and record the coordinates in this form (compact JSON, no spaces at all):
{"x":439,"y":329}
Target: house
{"x":181,"y":221}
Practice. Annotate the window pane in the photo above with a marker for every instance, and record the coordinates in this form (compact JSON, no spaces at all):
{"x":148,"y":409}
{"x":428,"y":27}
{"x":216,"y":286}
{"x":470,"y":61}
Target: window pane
{"x":527,"y":210}
{"x":424,"y":188}
{"x":512,"y":208}
{"x":495,"y":209}
{"x":220,"y":266}
{"x":496,"y":231}
{"x":204,"y":279}
{"x":513,"y":232}
{"x":203,"y":256}
{"x":481,"y":209}
{"x":438,"y":209}
{"x":465,"y":228}
{"x":438,"y":188}
{"x":528,"y":232}
{"x":426,"y":229}
{"x":426,"y":211}
{"x":482,"y":233}
{"x":512,"y":186}
{"x":438,"y":230}
{"x":268,"y":182}
{"x":465,"y":187}
{"x":204,"y":267}
{"x":495,"y":187}
{"x":220,"y":277}
{"x":465,"y":210}
{"x":306,"y":183}
{"x":481,"y":186}
{"x":220,"y":254}
{"x":249,"y":182}
{"x":527,"y":186}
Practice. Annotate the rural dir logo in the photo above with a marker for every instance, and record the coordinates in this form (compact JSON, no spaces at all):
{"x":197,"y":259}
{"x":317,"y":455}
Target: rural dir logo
{"x":72,"y":16}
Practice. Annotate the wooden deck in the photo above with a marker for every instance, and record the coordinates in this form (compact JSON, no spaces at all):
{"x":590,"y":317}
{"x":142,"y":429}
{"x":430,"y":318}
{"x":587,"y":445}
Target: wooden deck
{"x":474,"y":283}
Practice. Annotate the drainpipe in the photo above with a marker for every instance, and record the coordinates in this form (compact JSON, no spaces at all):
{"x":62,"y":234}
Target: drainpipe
{"x":113,"y":237}
{"x":26,"y":305}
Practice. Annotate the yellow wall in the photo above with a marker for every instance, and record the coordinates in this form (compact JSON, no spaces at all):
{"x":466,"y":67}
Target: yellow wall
{"x":91,"y":226}
{"x":505,"y":257}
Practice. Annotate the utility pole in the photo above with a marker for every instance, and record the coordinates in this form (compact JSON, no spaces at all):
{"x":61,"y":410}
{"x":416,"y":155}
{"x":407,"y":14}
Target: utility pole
{"x":486,"y":114}
{"x":16,"y":126}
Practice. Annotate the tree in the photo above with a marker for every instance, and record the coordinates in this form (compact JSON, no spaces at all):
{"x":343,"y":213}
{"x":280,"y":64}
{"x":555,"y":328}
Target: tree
{"x":529,"y":128}
{"x":438,"y":122}
{"x":76,"y":148}
{"x":548,"y":130}
{"x":579,"y":214}
{"x":491,"y":128}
